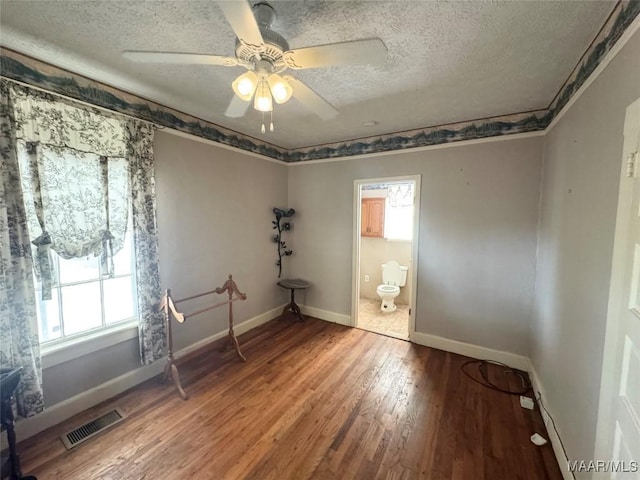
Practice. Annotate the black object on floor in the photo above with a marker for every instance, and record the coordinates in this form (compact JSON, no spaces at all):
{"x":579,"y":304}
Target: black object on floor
{"x":9,"y":379}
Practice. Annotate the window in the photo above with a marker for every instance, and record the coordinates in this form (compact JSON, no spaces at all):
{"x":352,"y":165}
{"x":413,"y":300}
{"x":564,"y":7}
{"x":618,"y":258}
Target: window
{"x":398,"y":219}
{"x":83,"y":300}
{"x":75,"y":165}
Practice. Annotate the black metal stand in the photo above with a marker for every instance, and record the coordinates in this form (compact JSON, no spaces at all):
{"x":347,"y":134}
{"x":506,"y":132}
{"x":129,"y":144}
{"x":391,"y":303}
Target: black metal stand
{"x":9,"y":379}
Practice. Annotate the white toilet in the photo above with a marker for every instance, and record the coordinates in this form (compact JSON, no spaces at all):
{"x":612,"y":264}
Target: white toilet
{"x":394,"y":276}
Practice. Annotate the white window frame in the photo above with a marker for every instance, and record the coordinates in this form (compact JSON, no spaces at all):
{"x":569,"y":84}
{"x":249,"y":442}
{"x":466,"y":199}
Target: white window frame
{"x":65,"y":348}
{"x":60,"y":350}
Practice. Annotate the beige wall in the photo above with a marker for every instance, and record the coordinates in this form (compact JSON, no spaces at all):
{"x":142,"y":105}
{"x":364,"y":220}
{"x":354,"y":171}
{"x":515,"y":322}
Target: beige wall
{"x":477,"y":250}
{"x":373,"y":253}
{"x":214,"y":218}
{"x":582,"y":162}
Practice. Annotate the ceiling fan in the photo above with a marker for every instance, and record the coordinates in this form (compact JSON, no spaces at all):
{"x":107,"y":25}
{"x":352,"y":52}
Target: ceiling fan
{"x":266,"y":54}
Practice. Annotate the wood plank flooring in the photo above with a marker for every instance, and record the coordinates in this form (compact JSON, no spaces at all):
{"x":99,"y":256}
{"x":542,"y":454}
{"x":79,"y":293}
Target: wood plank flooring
{"x":315,"y":400}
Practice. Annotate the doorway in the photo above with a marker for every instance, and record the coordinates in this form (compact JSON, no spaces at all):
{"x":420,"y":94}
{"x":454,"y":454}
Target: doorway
{"x":385,"y":252}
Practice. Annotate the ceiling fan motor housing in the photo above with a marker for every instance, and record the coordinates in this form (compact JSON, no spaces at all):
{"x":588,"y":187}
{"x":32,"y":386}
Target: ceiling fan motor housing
{"x":265,"y":14}
{"x":275,"y":44}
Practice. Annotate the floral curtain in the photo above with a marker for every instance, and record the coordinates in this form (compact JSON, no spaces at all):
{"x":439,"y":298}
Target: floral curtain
{"x":143,"y":193}
{"x":58,"y":143}
{"x":18,"y":328}
{"x":76,"y":179}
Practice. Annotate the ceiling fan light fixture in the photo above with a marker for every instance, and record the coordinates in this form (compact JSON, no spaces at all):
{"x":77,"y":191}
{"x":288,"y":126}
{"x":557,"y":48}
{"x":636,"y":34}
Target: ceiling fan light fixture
{"x":245,"y":85}
{"x":263,"y":101}
{"x":280,"y":88}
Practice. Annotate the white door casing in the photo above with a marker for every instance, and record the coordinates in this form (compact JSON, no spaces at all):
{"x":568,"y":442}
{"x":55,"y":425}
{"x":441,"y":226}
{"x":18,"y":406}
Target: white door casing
{"x":618,"y":428}
{"x":413,"y":273}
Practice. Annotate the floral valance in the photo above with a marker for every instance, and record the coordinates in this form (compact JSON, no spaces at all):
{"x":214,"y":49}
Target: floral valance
{"x":75,"y":179}
{"x":43,"y":118}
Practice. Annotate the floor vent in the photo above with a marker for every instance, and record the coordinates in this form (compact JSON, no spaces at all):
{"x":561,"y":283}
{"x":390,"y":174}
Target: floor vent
{"x":94,"y":427}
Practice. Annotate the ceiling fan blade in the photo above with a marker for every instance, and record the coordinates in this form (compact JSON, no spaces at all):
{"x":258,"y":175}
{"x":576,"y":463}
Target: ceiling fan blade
{"x":237,"y":107}
{"x":179,"y":58}
{"x":240,"y":16}
{"x":311,"y":99}
{"x":370,"y":51}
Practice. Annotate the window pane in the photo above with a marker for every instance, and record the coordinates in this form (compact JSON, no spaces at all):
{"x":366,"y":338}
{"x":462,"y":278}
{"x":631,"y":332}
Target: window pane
{"x":122,"y":259}
{"x":81,"y":307}
{"x":398,"y":223}
{"x":48,"y":316}
{"x":118,"y":299}
{"x":79,"y":270}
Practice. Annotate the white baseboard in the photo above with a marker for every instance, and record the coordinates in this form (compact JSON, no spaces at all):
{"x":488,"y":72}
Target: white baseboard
{"x":326,"y":315}
{"x":239,"y":329}
{"x":59,"y":412}
{"x":538,"y":391}
{"x":469,"y":350}
{"x":55,"y":414}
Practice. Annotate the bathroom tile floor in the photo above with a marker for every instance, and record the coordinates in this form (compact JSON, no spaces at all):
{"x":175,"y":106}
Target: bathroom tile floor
{"x":395,"y":324}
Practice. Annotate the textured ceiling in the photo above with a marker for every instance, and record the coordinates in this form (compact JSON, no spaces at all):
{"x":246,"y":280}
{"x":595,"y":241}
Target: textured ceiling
{"x":447,"y":61}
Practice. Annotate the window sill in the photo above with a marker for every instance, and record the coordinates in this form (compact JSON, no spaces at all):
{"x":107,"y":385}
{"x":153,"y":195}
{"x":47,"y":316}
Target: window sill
{"x":86,"y":344}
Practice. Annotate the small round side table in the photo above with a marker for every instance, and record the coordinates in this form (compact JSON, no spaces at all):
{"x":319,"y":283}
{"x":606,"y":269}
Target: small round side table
{"x":293,"y":284}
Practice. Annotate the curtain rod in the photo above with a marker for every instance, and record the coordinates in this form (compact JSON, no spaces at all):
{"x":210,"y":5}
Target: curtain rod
{"x":82,"y":102}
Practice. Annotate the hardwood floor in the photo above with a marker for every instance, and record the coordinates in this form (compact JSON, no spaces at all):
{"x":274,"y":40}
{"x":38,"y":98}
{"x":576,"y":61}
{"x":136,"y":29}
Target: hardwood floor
{"x":315,"y":400}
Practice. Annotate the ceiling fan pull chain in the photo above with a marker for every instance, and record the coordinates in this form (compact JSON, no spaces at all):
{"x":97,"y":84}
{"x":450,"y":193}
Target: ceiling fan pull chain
{"x":263,"y":129}
{"x":271,"y":124}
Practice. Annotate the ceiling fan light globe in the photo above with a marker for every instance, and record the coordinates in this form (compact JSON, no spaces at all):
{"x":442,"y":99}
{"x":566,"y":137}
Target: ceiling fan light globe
{"x":245,"y":85}
{"x":263,"y":103}
{"x":280,"y":88}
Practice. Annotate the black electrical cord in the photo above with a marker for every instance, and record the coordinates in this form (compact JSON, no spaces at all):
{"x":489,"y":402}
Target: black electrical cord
{"x":482,"y":369}
{"x":553,"y":424}
{"x":526,"y":387}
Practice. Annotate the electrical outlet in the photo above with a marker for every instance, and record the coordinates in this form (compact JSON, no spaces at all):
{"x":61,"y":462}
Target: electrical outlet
{"x":526,"y":402}
{"x":366,"y":278}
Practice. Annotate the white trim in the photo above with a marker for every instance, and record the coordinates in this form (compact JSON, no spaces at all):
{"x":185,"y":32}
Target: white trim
{"x":86,"y":344}
{"x":415,"y":242}
{"x":355,"y":265}
{"x":470,"y":350}
{"x":611,"y":54}
{"x":326,"y":315}
{"x":238,"y":329}
{"x":461,"y":143}
{"x":539,"y":391}
{"x":59,"y":412}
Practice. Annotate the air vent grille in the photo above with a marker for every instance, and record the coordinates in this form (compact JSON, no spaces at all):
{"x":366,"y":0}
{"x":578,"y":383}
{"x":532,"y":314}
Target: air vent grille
{"x":88,"y":430}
